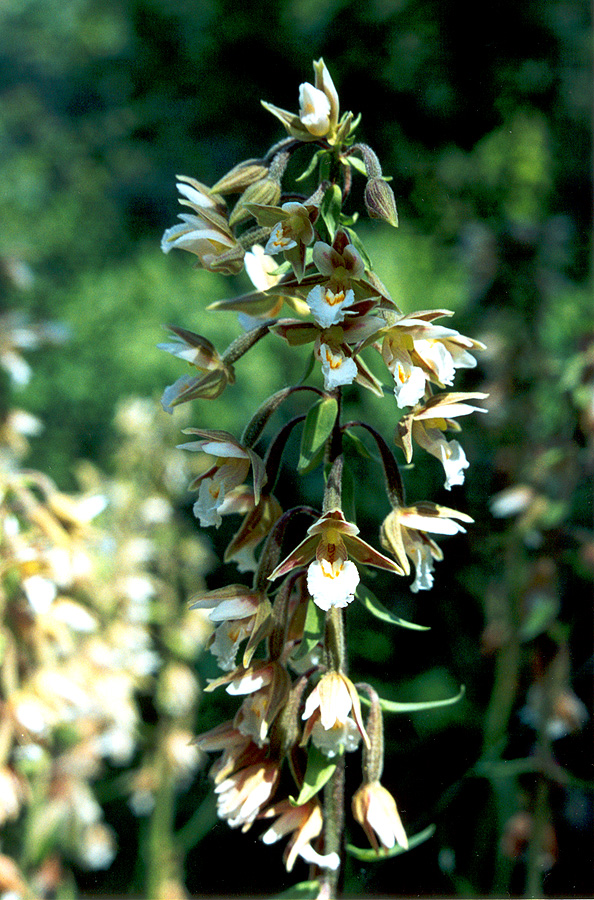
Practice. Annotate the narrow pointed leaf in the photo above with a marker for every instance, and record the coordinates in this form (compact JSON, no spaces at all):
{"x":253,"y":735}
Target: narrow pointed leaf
{"x":305,"y":890}
{"x":330,"y":209}
{"x":319,"y":770}
{"x":377,"y":609}
{"x":317,"y":429}
{"x":357,"y":164}
{"x":312,"y":165}
{"x":368,"y":854}
{"x":397,"y":707}
{"x":313,"y":630}
{"x":349,"y":506}
{"x":358,"y":446}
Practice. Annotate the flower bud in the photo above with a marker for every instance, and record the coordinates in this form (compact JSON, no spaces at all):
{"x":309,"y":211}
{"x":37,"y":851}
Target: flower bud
{"x":266,"y":191}
{"x":240,"y":177}
{"x":380,"y":202}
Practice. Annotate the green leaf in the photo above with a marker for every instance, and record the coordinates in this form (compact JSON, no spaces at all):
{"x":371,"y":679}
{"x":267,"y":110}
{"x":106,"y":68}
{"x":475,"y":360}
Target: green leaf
{"x":331,"y":208}
{"x":305,"y":890}
{"x":397,"y":707}
{"x":319,"y":770}
{"x":313,"y":630}
{"x":318,"y":426}
{"x":316,"y":158}
{"x":358,"y":446}
{"x":543,"y":611}
{"x":359,"y":246}
{"x":370,"y":855}
{"x":377,"y":609}
{"x":357,"y":164}
{"x":308,"y":369}
{"x":349,"y":507}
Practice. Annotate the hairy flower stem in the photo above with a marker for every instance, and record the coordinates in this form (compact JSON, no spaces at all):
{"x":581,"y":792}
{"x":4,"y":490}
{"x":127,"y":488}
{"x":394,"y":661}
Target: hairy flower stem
{"x":334,"y":811}
{"x":336,"y":655}
{"x":333,"y":830}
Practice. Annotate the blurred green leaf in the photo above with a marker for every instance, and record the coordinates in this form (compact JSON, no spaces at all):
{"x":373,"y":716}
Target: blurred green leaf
{"x":305,"y":890}
{"x":370,"y":855}
{"x":417,"y":706}
{"x":377,"y":609}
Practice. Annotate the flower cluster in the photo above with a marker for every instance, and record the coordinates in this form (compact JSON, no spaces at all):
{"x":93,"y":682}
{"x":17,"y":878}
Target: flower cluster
{"x":300,"y":713}
{"x":79,"y":590}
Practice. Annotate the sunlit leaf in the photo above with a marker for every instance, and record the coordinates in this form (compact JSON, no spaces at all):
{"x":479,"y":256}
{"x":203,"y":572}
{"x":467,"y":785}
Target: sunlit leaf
{"x":319,"y":770}
{"x":313,"y":630}
{"x":316,"y":430}
{"x":331,"y":208}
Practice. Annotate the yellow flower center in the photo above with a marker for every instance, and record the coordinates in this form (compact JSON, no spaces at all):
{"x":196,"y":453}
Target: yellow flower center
{"x":333,"y":299}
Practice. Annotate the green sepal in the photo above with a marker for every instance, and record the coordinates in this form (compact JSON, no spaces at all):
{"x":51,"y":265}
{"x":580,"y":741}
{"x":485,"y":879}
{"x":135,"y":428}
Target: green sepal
{"x":313,"y":630}
{"x":318,"y":426}
{"x":305,"y":890}
{"x":330,"y":209}
{"x":371,"y":855}
{"x":377,"y":609}
{"x":396,"y":707}
{"x":319,"y":770}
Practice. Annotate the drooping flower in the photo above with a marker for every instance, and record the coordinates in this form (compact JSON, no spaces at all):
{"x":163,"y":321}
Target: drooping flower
{"x":375,"y":810}
{"x":306,"y":822}
{"x":241,"y":796}
{"x":232,"y":464}
{"x":426,"y":424}
{"x":331,"y":703}
{"x":404,"y":533}
{"x":337,"y":368}
{"x":332,"y":578}
{"x":268,"y":684}
{"x":233,"y":609}
{"x":206,"y":233}
{"x":200,"y":353}
{"x":259,"y":519}
{"x":330,"y":300}
{"x":416,"y":352}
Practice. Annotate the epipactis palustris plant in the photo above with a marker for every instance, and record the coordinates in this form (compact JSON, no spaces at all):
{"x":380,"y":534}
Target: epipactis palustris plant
{"x":282,"y":756}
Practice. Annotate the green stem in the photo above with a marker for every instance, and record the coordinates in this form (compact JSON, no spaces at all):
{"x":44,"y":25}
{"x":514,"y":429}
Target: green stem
{"x":333,"y":830}
{"x":335,"y":648}
{"x":161,"y":856}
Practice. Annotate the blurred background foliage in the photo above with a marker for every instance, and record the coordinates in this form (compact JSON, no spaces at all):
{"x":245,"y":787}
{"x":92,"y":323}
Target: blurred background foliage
{"x":483,"y":120}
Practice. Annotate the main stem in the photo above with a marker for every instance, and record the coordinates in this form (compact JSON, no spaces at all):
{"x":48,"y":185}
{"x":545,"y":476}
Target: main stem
{"x":336,"y":656}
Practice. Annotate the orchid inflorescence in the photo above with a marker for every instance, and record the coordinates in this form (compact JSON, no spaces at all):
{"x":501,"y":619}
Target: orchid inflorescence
{"x":300,"y":713}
